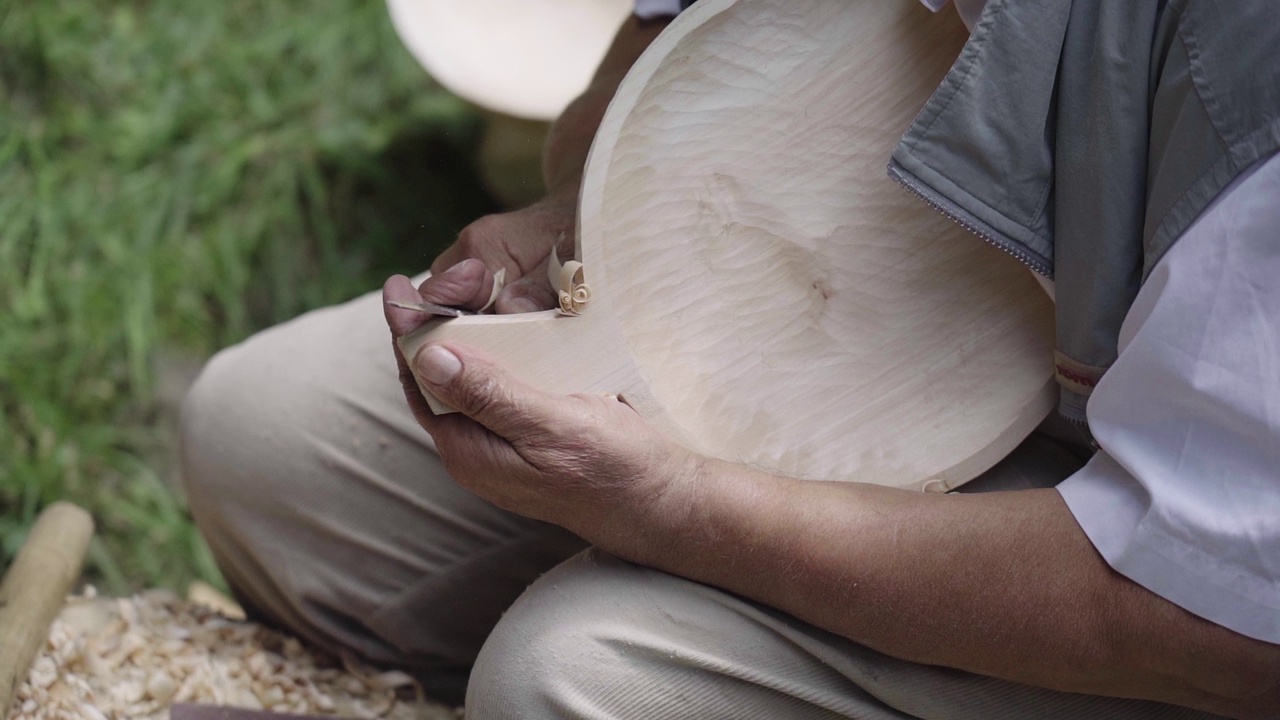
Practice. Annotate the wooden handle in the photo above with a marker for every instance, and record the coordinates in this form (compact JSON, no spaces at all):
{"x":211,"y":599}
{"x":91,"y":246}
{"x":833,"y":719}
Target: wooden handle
{"x":554,"y":352}
{"x":34,"y":588}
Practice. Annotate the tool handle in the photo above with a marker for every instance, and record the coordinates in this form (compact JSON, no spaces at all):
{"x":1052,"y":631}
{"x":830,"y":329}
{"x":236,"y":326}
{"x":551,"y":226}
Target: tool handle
{"x":34,"y":588}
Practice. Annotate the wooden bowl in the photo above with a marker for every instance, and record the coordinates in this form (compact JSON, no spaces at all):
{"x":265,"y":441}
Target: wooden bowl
{"x":761,"y":290}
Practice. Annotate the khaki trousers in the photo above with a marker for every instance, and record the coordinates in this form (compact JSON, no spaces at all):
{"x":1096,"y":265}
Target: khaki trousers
{"x":329,"y":513}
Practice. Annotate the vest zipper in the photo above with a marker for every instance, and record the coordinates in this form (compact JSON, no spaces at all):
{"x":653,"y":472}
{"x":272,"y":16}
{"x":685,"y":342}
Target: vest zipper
{"x":956,"y":214}
{"x":965,"y":220}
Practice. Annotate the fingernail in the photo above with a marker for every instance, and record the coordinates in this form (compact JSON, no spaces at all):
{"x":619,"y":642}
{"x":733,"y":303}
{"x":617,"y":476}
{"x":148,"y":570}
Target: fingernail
{"x":453,"y":268}
{"x":438,"y":365}
{"x":523,"y":305}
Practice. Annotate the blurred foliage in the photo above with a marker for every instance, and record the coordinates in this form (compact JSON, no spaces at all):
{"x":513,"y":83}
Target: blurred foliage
{"x":177,"y":175}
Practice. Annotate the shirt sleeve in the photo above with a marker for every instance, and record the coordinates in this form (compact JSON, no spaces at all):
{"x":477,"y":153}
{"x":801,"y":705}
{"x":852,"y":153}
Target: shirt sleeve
{"x":648,"y":9}
{"x":969,"y":10}
{"x":1184,"y":495}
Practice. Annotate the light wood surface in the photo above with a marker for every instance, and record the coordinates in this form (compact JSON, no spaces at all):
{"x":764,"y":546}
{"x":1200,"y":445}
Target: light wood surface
{"x":34,"y":587}
{"x":761,"y":290}
{"x":523,"y":58}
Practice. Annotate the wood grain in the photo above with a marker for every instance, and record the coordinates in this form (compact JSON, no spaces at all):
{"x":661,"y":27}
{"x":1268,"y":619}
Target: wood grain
{"x":34,"y":588}
{"x":761,"y":290}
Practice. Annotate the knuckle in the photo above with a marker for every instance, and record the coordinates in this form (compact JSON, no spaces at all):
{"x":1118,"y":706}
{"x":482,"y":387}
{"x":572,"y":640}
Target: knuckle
{"x":481,"y":396}
{"x":482,"y":231}
{"x":467,"y":242}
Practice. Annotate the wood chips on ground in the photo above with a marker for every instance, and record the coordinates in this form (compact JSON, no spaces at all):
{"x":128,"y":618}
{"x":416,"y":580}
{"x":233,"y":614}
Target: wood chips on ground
{"x":117,"y":658}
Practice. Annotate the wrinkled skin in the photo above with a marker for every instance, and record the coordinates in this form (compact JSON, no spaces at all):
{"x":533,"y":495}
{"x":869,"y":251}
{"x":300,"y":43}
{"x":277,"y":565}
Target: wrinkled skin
{"x":571,"y":460}
{"x":517,"y":242}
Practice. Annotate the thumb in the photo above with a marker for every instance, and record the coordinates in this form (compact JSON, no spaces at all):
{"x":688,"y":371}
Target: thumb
{"x":485,"y":392}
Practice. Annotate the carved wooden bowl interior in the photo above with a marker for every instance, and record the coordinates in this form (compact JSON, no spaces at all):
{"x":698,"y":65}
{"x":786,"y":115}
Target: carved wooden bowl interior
{"x":761,"y":289}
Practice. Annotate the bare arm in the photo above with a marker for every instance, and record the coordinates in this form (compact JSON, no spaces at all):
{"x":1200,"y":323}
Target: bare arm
{"x":565,"y":153}
{"x":1005,"y":585}
{"x":1001,"y":584}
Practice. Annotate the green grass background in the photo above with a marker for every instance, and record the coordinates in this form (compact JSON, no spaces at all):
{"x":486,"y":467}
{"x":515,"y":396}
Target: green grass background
{"x":173,"y":176}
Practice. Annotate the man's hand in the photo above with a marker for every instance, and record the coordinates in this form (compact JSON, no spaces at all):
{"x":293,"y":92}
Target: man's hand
{"x":585,"y":462}
{"x":1004,"y":584}
{"x":520,"y":242}
{"x":1001,"y":584}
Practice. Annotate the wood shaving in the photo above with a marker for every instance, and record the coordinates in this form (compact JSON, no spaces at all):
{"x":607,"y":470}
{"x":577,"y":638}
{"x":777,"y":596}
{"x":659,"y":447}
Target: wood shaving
{"x":499,"y":280}
{"x":567,"y":280}
{"x":111,"y":659}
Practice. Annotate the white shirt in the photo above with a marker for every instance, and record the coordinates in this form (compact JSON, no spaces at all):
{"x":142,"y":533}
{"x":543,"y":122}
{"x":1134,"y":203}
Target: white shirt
{"x":657,"y":8}
{"x":1183,"y":497}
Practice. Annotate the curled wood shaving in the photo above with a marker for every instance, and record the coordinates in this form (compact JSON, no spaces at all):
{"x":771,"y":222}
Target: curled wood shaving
{"x":567,"y":280}
{"x":134,"y":657}
{"x":499,"y":280}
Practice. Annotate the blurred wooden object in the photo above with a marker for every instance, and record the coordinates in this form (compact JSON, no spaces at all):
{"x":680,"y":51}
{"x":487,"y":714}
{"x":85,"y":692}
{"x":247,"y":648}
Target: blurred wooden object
{"x":195,"y":711}
{"x":34,"y":588}
{"x":520,"y":62}
{"x":761,"y":290}
{"x":202,"y":593}
{"x":523,"y":58}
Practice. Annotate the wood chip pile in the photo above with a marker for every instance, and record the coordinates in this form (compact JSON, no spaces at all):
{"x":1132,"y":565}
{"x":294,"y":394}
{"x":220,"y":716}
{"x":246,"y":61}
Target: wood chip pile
{"x":116,"y":658}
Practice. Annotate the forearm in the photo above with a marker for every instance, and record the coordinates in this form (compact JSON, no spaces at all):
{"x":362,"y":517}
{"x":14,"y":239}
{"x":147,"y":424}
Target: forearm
{"x":1005,"y":585}
{"x":565,"y":152}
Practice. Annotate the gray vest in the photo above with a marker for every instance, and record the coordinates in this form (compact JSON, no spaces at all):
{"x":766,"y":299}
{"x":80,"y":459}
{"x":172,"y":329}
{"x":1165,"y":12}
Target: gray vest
{"x":1085,"y":136}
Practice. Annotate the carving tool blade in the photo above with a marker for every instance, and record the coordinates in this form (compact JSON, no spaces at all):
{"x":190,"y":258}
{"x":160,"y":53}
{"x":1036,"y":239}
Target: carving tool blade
{"x":430,"y":308}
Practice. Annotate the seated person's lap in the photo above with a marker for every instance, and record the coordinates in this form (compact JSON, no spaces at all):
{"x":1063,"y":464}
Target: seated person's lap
{"x":330,"y":513}
{"x":327,"y":508}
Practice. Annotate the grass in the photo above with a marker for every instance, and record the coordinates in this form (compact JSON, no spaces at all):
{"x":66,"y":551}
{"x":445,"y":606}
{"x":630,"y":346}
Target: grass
{"x":174,"y":176}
